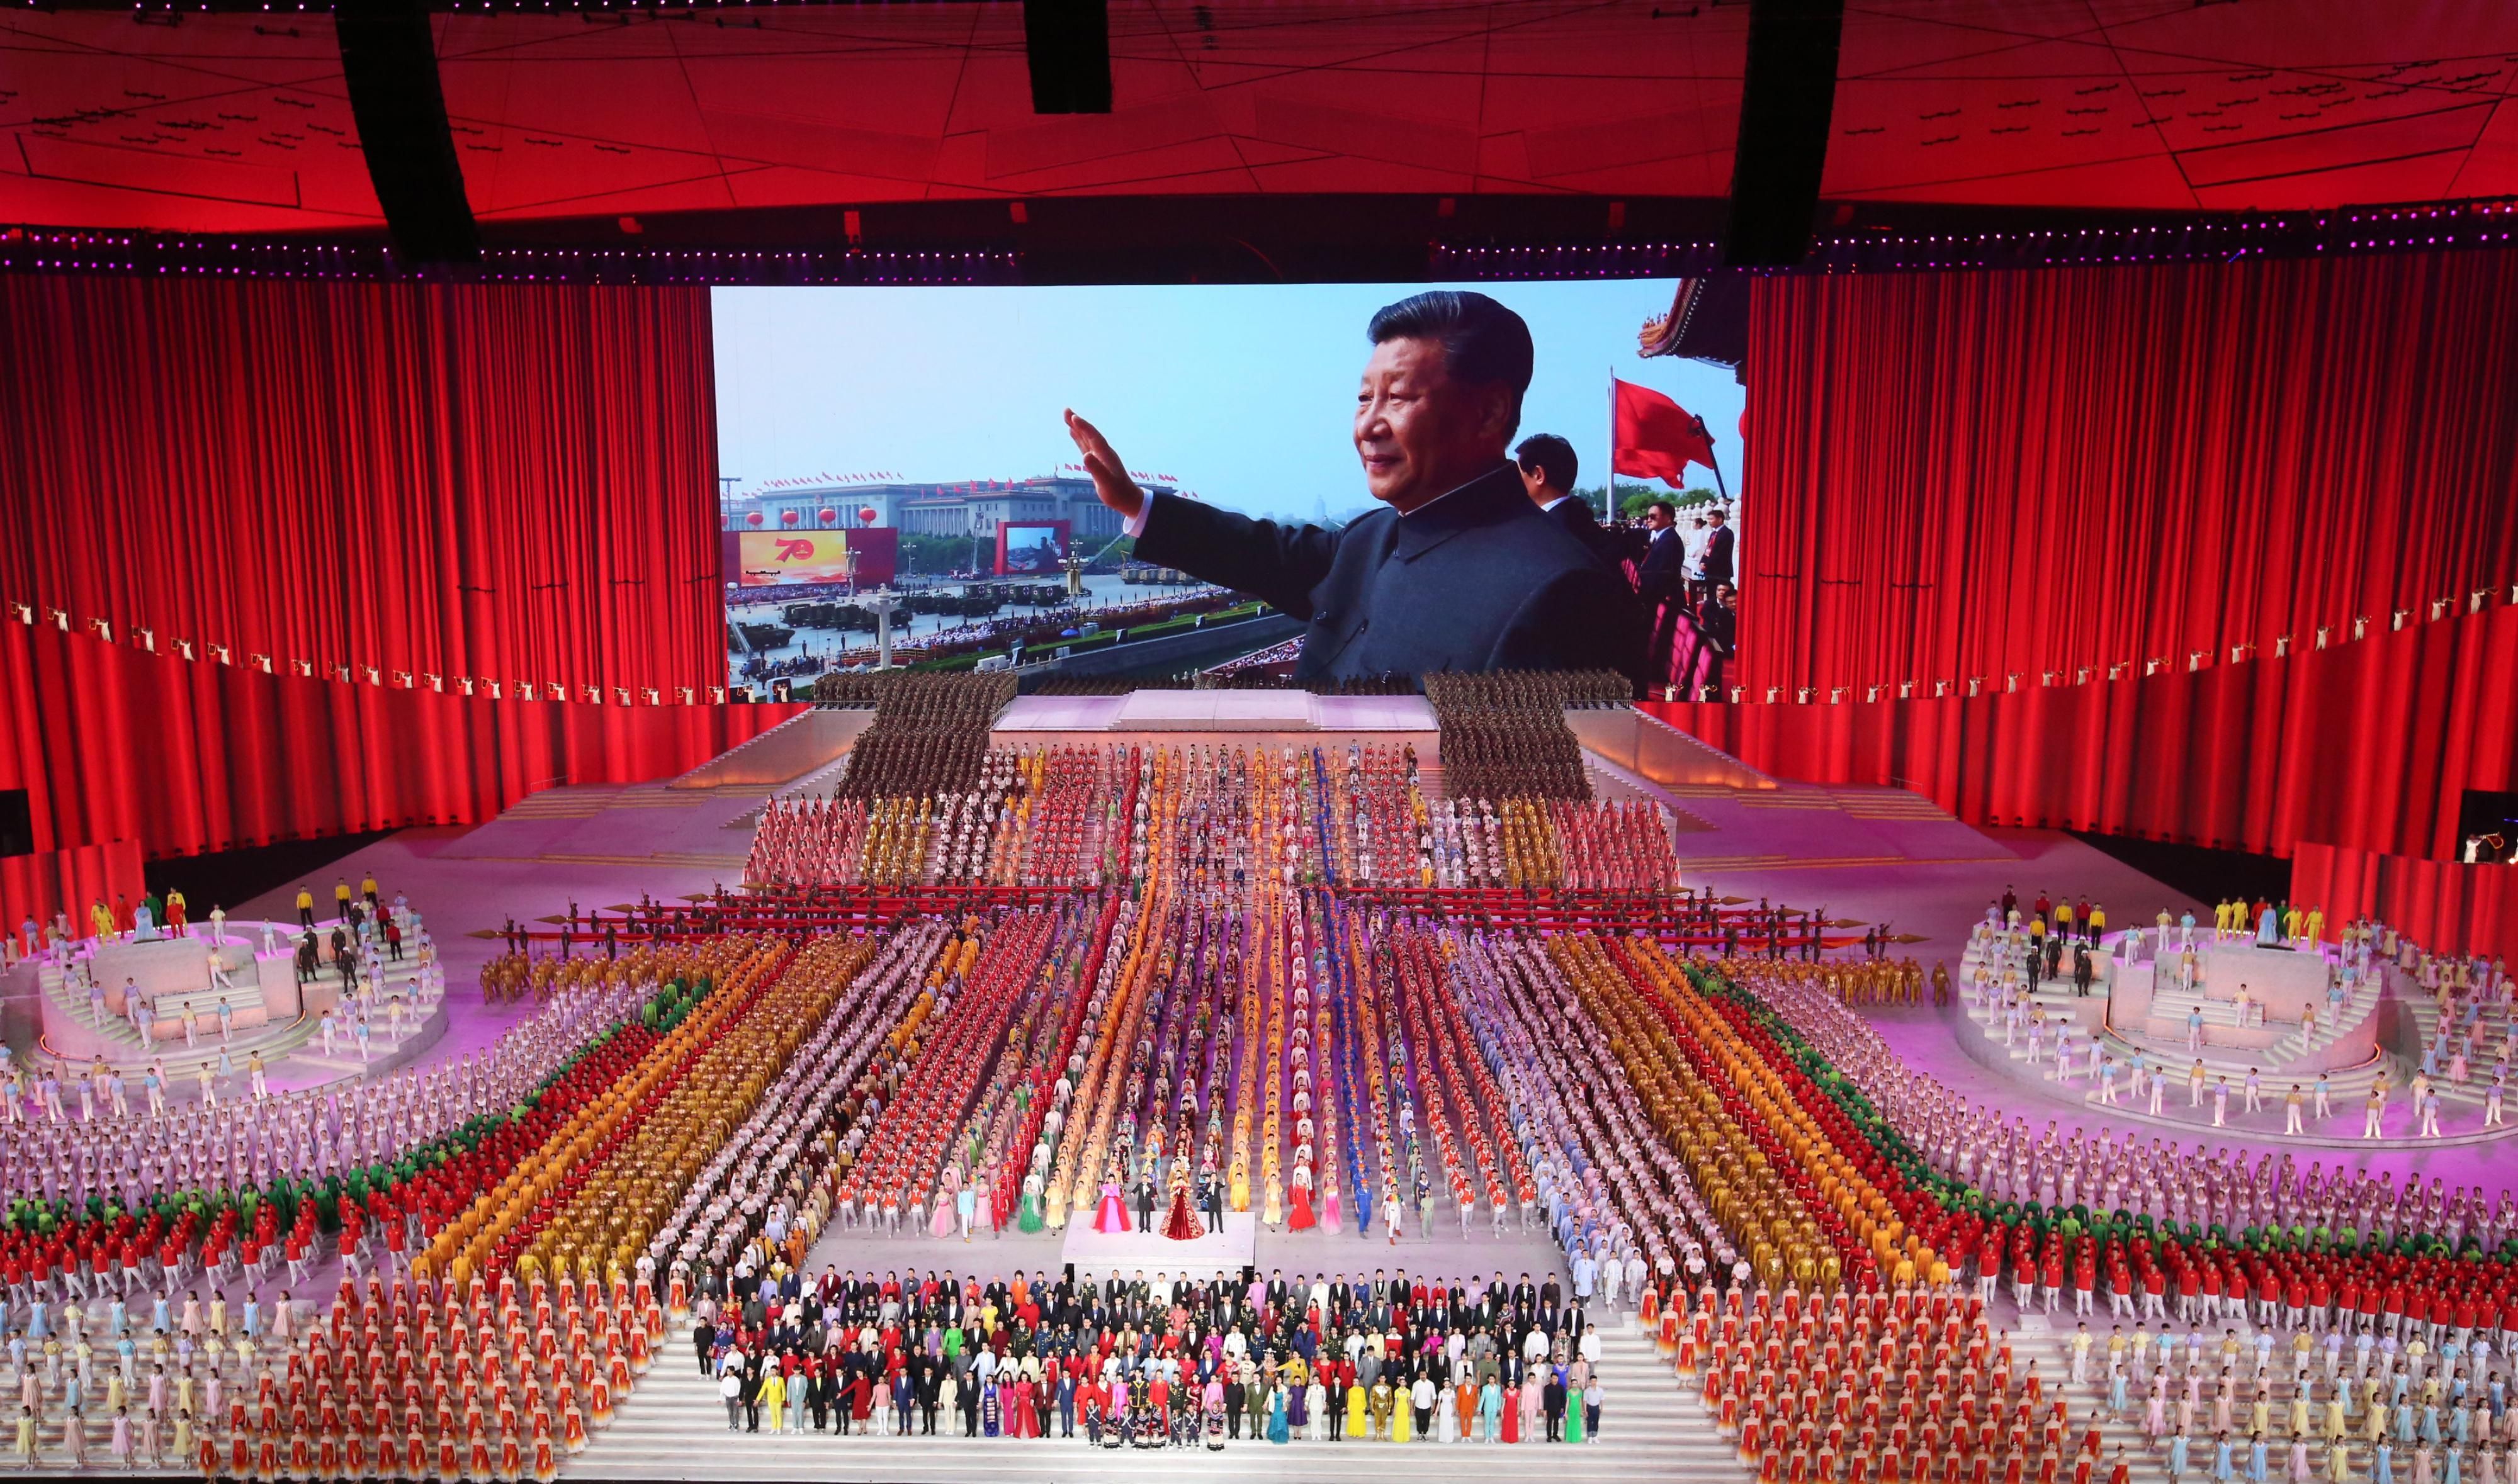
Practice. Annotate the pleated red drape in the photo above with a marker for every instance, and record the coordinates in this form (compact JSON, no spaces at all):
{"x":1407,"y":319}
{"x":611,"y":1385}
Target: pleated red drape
{"x":115,"y":744}
{"x":2446,"y":906}
{"x":2368,"y":746}
{"x":510,"y":483}
{"x":67,"y":880}
{"x":514,"y":484}
{"x":1965,"y":474}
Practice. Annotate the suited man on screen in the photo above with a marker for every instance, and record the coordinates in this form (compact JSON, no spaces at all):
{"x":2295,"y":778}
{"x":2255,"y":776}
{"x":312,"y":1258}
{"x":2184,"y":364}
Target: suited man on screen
{"x":1458,"y":571}
{"x":1718,"y":551}
{"x":1546,"y":465}
{"x":1664,"y":582}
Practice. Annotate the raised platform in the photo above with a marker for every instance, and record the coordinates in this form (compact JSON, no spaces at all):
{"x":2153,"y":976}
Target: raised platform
{"x":2152,"y":1012}
{"x":2281,"y":982}
{"x":800,"y":744}
{"x":1228,"y":1250}
{"x":1215,"y":711}
{"x":2349,"y":1054}
{"x":271,"y":1014}
{"x":1653,"y":748}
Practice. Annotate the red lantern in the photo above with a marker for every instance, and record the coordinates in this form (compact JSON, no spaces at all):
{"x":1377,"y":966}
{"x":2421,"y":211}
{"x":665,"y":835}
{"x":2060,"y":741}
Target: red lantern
{"x":754,"y":519}
{"x":866,"y":515}
{"x":786,"y":517}
{"x":829,"y":516}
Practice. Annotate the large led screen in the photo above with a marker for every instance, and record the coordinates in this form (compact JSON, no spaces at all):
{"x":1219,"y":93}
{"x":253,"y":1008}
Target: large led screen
{"x":937,"y":418}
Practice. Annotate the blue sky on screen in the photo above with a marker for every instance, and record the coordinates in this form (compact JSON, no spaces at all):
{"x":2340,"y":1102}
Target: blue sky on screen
{"x":1244,"y":393}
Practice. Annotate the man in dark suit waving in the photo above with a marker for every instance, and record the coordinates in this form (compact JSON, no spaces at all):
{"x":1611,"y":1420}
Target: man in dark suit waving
{"x":1459,"y":570}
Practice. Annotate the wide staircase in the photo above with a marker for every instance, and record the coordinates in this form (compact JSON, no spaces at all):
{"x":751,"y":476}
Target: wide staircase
{"x":674,"y":1426}
{"x":2277,"y":1046}
{"x":2052,"y":1349}
{"x":2494,"y":1021}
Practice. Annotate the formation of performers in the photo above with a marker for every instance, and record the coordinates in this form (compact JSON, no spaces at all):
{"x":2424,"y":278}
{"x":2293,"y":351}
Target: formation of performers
{"x":928,"y":735}
{"x":1123,"y":1361}
{"x":140,"y":1256}
{"x":1673,"y":1121}
{"x":1504,"y":735}
{"x":424,"y":1380}
{"x":2472,"y":999}
{"x":1216,"y":1009}
{"x":1062,"y":816}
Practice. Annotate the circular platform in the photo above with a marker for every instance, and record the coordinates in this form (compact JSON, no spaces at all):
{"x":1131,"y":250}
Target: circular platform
{"x":270,"y":1014}
{"x":2126,"y":1014}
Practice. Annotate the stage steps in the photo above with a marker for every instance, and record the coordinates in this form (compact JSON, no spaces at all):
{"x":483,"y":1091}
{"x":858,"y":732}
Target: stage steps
{"x":272,"y":1039}
{"x":673,"y":1427}
{"x":2288,"y":1046}
{"x":2173,"y":1005}
{"x":2347,"y":1087}
{"x":2495,"y":1020}
{"x":2047,"y":1339}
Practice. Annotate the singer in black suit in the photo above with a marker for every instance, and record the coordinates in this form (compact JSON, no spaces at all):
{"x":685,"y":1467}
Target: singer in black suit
{"x":1458,"y":570}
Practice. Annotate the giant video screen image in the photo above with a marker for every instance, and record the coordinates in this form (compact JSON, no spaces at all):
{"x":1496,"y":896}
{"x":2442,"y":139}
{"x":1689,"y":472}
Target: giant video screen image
{"x":902,"y":459}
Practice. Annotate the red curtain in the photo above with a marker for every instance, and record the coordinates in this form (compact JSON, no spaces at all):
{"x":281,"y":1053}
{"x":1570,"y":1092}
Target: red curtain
{"x":2367,"y":745}
{"x":184,"y":756}
{"x":2446,"y":907}
{"x":1967,"y":473}
{"x":67,"y":880}
{"x":510,"y":483}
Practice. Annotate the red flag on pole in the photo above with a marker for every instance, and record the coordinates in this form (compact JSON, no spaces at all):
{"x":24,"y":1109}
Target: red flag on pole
{"x":1658,"y":439}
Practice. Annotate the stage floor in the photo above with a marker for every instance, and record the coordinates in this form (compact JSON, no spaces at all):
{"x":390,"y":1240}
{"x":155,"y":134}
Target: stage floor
{"x":1879,"y":855}
{"x":1225,"y":711}
{"x":1863,"y":853}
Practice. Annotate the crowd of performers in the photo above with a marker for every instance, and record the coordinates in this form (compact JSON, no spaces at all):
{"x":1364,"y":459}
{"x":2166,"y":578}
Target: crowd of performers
{"x":2009,"y":952}
{"x":1816,"y":1236}
{"x":928,"y":736}
{"x":2244,"y":1315}
{"x":147,"y":1261}
{"x":1505,"y":734}
{"x":1672,"y":1118}
{"x":1083,"y":815}
{"x":1119,"y":1361}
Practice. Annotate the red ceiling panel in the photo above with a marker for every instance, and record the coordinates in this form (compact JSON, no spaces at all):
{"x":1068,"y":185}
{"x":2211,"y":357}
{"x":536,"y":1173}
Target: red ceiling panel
{"x":235,"y":123}
{"x":209,"y":123}
{"x":2170,"y":105}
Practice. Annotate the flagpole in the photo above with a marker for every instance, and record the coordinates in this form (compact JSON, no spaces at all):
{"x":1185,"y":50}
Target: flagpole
{"x":1609,"y":499}
{"x":1609,"y":480}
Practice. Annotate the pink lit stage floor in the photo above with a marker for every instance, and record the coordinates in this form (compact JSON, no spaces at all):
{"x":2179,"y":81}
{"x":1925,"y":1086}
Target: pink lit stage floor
{"x":1865,"y":854}
{"x":1880,"y":855}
